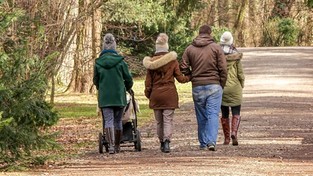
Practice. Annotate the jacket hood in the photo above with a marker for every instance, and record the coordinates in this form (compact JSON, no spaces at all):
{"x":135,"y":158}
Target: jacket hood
{"x":155,"y":62}
{"x":202,"y":40}
{"x":108,"y":59}
{"x":233,"y":57}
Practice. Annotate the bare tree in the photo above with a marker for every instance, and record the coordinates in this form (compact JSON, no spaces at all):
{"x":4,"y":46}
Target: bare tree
{"x":282,"y":8}
{"x":87,"y":45}
{"x":223,"y":13}
{"x":239,"y":23}
{"x":253,"y":20}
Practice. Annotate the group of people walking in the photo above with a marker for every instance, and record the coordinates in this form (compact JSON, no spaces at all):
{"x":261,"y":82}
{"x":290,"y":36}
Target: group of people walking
{"x":217,"y":78}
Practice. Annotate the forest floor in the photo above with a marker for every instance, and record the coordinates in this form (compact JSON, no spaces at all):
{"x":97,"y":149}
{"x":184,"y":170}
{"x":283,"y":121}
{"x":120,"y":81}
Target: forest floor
{"x":275,"y":135}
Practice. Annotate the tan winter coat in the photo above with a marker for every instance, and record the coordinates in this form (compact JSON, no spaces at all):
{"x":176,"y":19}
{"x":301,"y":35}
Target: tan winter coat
{"x":160,"y":87}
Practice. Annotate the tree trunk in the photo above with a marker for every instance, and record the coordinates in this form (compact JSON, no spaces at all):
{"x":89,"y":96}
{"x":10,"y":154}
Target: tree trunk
{"x":87,"y":46}
{"x":253,"y":21}
{"x":52,"y":89}
{"x":309,"y":27}
{"x":239,"y":23}
{"x":223,"y":15}
{"x":96,"y":37}
{"x":282,"y":8}
{"x":212,"y":13}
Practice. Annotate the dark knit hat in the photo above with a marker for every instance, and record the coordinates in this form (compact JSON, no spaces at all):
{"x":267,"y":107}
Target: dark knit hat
{"x":161,"y":43}
{"x":205,"y":29}
{"x":108,"y":42}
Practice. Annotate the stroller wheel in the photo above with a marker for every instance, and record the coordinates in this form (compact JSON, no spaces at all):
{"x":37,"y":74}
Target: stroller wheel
{"x":137,"y":141}
{"x":100,"y":143}
{"x":106,"y":145}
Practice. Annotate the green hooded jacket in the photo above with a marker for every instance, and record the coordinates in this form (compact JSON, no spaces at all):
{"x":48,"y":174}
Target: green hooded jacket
{"x":112,"y":79}
{"x":232,"y":94}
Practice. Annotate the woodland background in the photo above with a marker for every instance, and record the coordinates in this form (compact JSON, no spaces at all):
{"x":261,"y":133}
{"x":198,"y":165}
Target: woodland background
{"x":50,"y":46}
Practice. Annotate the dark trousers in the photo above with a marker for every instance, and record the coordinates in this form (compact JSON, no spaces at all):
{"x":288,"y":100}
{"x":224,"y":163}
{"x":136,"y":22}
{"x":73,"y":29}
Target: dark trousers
{"x":112,"y":117}
{"x":235,"y":110}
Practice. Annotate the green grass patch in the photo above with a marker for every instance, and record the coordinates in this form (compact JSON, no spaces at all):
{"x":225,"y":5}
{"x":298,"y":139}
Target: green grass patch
{"x":67,"y":105}
{"x":145,"y":115}
{"x":74,"y":110}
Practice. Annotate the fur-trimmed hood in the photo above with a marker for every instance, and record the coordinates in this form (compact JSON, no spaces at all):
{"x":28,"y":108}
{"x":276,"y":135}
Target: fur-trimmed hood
{"x":155,"y":62}
{"x":234,"y":56}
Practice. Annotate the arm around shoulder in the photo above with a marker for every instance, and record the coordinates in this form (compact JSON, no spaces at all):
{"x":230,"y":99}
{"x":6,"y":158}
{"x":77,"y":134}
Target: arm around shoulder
{"x":222,"y":66}
{"x":241,"y":76}
{"x":185,"y":64}
{"x":180,"y":77}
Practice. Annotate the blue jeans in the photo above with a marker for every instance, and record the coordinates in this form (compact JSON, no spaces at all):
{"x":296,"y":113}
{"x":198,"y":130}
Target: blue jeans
{"x":207,"y":100}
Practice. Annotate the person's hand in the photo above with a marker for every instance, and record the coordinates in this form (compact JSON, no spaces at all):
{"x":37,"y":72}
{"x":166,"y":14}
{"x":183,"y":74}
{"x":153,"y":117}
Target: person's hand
{"x":186,"y":72}
{"x":189,"y":77}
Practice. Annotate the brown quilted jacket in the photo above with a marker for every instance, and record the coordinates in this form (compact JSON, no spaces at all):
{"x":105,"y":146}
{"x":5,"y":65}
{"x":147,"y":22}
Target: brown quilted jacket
{"x":160,"y":87}
{"x":206,"y":61}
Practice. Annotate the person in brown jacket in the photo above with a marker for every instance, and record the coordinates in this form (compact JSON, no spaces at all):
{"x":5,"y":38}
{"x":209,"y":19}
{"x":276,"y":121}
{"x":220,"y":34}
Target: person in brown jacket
{"x":206,"y":61}
{"x":160,"y":88}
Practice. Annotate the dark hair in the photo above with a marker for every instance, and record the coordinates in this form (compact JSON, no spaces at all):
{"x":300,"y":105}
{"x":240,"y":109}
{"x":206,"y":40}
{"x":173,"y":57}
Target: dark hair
{"x":205,"y":29}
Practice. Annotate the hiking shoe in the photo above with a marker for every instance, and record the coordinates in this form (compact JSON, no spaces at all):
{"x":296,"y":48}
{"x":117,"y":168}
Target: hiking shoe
{"x":166,"y":146}
{"x":211,"y":148}
{"x":162,"y":146}
{"x":203,"y":147}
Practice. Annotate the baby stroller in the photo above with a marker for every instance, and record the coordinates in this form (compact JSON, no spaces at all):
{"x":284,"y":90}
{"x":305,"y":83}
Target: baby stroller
{"x":130,"y":132}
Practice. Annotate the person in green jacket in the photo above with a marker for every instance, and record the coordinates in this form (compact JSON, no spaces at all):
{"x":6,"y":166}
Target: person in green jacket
{"x":112,"y":79}
{"x":232,"y":94}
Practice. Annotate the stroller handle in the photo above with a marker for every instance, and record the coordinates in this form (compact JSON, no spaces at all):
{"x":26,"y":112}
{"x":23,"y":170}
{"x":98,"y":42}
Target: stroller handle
{"x":131,"y":92}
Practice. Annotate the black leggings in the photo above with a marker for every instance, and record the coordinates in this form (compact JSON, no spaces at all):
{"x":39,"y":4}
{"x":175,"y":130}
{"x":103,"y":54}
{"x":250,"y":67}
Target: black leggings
{"x":235,"y":110}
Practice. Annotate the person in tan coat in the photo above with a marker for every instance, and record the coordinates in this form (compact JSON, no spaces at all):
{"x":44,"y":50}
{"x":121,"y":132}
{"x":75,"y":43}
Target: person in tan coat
{"x":160,"y":88}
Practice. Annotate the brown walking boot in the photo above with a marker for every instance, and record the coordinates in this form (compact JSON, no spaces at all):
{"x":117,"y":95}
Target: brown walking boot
{"x":234,"y":128}
{"x":110,"y":138}
{"x":226,"y":130}
{"x":118,"y":138}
